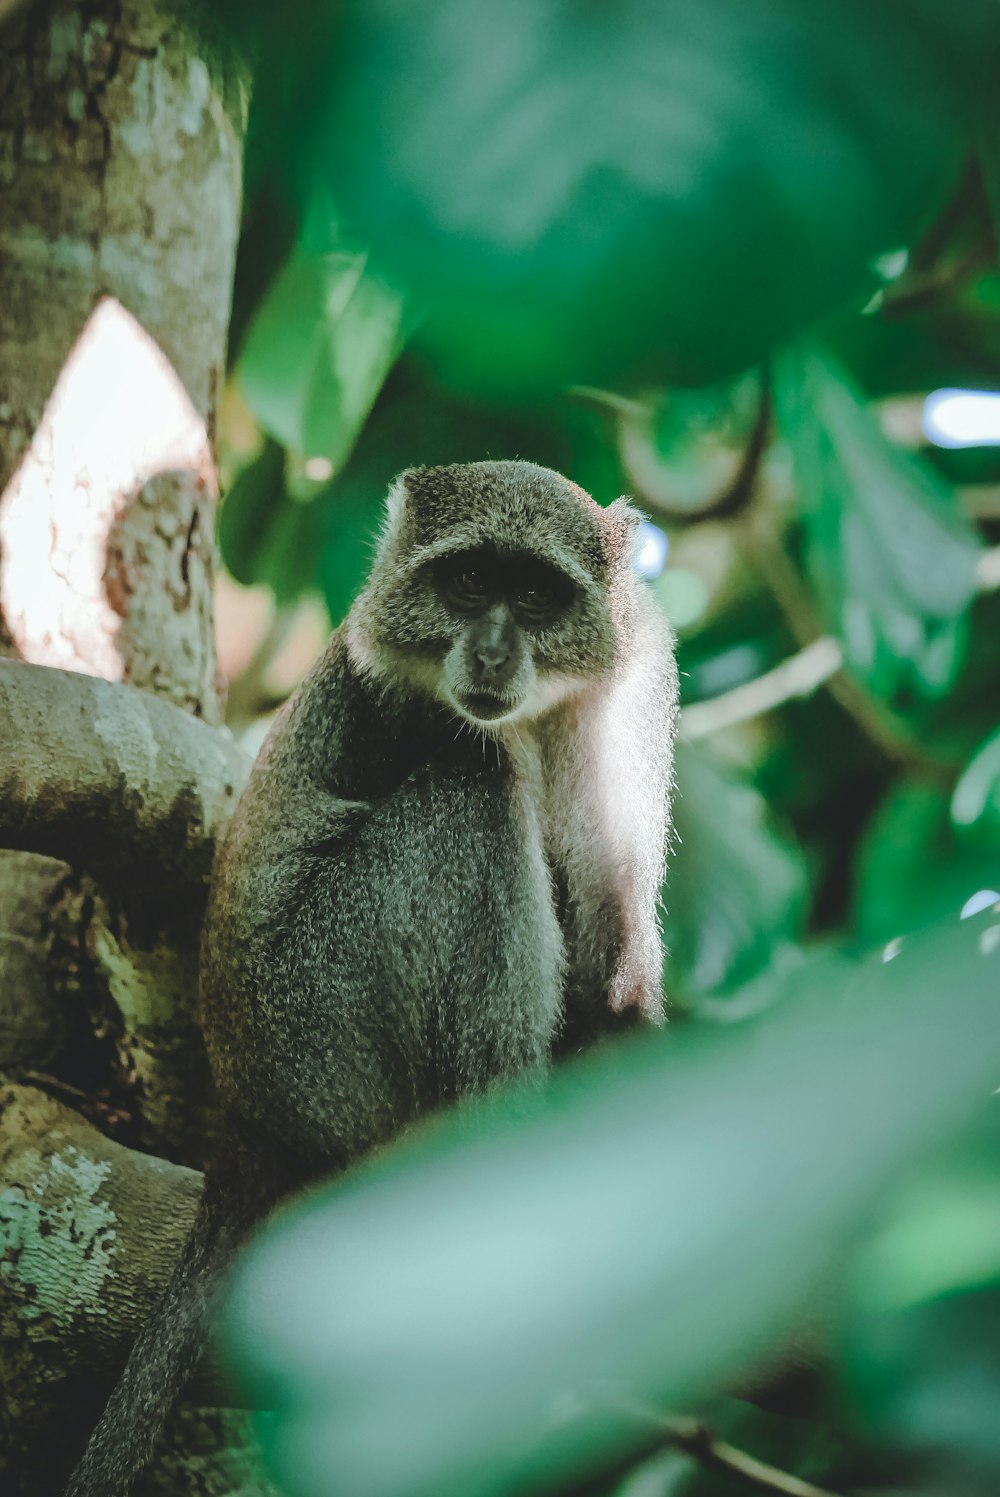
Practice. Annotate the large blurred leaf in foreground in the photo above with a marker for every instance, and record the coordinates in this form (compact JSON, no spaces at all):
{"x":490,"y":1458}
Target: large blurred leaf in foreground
{"x":477,"y":1310}
{"x":578,"y":188}
{"x":891,"y":553}
{"x":922,"y":1326}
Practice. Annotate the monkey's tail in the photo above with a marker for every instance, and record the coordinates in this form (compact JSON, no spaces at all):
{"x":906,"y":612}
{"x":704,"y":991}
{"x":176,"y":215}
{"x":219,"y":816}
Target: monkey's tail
{"x":165,"y":1355}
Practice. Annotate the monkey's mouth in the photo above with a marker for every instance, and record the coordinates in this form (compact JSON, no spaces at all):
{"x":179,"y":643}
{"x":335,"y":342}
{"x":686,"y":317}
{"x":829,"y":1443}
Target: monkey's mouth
{"x":485,"y":706}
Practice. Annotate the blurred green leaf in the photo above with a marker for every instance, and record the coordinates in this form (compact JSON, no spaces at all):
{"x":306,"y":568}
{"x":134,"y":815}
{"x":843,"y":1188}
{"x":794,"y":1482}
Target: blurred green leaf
{"x":580,"y":190}
{"x":923,"y":1325}
{"x":910,"y":869}
{"x":350,"y":522}
{"x":266,"y":537}
{"x":891,"y":552}
{"x":247,"y":513}
{"x":483,"y":1307}
{"x":975,"y":805}
{"x":317,"y":352}
{"x":737,"y":890}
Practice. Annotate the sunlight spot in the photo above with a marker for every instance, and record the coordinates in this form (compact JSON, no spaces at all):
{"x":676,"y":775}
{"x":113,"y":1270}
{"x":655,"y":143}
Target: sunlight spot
{"x":892,"y":948}
{"x":989,"y":940}
{"x":981,"y":900}
{"x":962,"y":418}
{"x":319,"y":469}
{"x":118,"y":415}
{"x":651,"y":547}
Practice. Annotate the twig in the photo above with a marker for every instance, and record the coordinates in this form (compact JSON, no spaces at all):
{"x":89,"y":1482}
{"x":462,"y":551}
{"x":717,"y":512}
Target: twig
{"x":798,"y":676}
{"x":885,"y":729}
{"x":697,"y":1441}
{"x":922,"y":291}
{"x":816,"y":664}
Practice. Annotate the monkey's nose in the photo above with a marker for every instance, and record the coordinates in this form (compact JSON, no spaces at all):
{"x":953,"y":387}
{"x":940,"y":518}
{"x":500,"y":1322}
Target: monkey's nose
{"x":494,"y":662}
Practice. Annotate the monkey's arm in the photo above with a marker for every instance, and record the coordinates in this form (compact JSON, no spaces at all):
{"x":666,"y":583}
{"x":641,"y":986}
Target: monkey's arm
{"x":615,"y":814}
{"x":643,"y":713}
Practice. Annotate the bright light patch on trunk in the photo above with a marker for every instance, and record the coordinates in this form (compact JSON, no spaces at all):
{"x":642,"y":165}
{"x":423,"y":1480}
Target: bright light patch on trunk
{"x":118,"y":416}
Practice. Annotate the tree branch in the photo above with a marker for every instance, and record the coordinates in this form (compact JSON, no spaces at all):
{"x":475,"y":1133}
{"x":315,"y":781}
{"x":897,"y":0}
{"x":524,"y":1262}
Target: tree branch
{"x":116,"y":782}
{"x":800,"y":675}
{"x":89,"y":1233}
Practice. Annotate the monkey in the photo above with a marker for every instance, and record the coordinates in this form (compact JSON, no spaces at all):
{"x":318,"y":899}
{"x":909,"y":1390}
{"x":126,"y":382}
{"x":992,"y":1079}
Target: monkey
{"x":443,"y":873}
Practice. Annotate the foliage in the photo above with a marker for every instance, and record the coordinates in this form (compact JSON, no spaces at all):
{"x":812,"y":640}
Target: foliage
{"x":713,"y":255}
{"x":599,"y":1238}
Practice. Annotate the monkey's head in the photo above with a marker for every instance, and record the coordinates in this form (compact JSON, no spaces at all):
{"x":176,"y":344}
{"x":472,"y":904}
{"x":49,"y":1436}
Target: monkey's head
{"x":499,"y":588}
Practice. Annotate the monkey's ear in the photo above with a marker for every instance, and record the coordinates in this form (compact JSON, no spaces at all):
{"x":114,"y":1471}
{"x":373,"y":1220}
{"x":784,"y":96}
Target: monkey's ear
{"x":620,"y":522}
{"x":404,"y":493}
{"x":418,"y":490}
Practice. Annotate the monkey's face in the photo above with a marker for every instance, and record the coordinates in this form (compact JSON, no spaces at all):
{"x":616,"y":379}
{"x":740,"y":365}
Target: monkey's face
{"x":499,"y":588}
{"x":505,"y":616}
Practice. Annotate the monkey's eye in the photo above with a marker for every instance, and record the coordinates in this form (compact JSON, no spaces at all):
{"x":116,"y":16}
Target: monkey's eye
{"x":539,"y":601}
{"x":467,"y":588}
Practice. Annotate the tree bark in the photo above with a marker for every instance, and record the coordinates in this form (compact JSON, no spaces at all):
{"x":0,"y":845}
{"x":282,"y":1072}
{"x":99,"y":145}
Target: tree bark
{"x":120,"y":142}
{"x":92,"y":1230}
{"x":120,"y":147}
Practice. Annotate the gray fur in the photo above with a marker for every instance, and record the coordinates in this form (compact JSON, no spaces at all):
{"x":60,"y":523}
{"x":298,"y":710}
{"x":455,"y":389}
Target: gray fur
{"x":410,"y":905}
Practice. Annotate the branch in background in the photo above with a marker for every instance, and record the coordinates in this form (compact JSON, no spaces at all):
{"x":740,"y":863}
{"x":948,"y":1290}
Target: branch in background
{"x":116,"y":782}
{"x":920,"y":293}
{"x":798,"y":676}
{"x":939,"y":264}
{"x":697,"y":1440}
{"x":815,"y":665}
{"x":649,"y":478}
{"x":889,"y":732}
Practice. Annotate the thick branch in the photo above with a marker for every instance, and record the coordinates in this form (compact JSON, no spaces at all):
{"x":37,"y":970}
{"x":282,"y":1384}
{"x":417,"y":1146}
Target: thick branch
{"x":89,"y":1233}
{"x":112,"y":780}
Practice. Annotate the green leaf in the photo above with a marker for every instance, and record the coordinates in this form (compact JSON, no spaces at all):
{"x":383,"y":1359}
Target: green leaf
{"x":482,"y":1309}
{"x":975,"y":805}
{"x":910,"y":869}
{"x":350,"y":521}
{"x":889,"y":549}
{"x":581,"y":189}
{"x":923,"y":1319}
{"x":317,"y":352}
{"x":737,"y":890}
{"x":248,"y":511}
{"x":266,"y":537}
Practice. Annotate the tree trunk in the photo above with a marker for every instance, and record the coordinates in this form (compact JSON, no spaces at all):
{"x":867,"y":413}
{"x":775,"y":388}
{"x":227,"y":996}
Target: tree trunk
{"x":120,"y":147}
